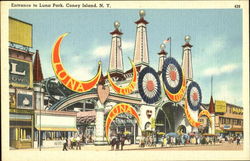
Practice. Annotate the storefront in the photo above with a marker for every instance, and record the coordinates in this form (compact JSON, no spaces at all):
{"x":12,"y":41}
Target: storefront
{"x":21,"y":128}
{"x":53,"y":127}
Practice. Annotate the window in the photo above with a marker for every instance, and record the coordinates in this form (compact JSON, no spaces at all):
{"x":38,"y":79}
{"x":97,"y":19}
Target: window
{"x":25,"y":134}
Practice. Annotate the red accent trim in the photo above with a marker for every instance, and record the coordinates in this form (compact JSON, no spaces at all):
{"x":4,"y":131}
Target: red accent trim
{"x":141,"y":20}
{"x":116,"y":31}
{"x":187,"y":44}
{"x":162,"y":53}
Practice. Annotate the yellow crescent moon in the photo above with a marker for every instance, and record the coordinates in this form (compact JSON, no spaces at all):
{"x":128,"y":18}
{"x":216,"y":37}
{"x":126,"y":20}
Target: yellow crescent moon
{"x":180,"y":94}
{"x":191,"y":121}
{"x":65,"y":78}
{"x":206,"y":113}
{"x":128,"y":89}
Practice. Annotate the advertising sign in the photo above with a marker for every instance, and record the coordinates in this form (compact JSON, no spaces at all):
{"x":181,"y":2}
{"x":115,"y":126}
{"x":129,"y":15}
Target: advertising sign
{"x":20,"y":73}
{"x":24,"y":99}
{"x":220,"y":106}
{"x":20,"y":32}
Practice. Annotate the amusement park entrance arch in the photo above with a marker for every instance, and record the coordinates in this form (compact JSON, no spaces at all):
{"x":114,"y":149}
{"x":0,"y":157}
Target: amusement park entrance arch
{"x":168,"y":117}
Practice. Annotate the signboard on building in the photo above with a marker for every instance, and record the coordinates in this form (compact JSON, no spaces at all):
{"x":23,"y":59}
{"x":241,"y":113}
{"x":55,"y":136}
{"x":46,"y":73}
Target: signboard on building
{"x":227,"y":126}
{"x":220,"y":106}
{"x":55,"y":123}
{"x":20,"y":32}
{"x":20,"y":73}
{"x":24,"y":99}
{"x":237,"y":110}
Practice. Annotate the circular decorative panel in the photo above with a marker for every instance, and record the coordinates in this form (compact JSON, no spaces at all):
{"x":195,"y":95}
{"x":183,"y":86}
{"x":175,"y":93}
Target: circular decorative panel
{"x":149,"y":85}
{"x":172,"y":75}
{"x":194,"y":96}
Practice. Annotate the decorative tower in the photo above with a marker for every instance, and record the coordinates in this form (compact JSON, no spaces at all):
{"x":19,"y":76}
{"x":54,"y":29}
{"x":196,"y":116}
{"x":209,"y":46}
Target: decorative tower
{"x":37,"y":78}
{"x":212,"y":110}
{"x":187,"y":59}
{"x":162,"y":56}
{"x":115,"y":59}
{"x":141,"y":42}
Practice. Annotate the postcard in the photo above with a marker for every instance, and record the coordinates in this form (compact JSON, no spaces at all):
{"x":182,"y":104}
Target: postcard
{"x":125,"y":80}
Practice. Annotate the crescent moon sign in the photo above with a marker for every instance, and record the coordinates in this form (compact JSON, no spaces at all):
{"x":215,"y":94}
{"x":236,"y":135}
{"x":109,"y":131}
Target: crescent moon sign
{"x":128,"y":89}
{"x":65,"y":78}
{"x":191,"y":121}
{"x":116,"y":110}
{"x":179,"y":95}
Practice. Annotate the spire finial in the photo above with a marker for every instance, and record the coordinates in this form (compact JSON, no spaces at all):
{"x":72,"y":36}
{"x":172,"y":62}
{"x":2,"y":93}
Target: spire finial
{"x":187,"y":38}
{"x":116,"y":24}
{"x":142,"y":13}
{"x":162,"y":46}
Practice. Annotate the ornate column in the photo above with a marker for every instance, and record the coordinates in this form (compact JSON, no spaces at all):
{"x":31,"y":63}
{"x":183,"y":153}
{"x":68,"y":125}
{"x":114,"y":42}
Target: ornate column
{"x":99,"y":124}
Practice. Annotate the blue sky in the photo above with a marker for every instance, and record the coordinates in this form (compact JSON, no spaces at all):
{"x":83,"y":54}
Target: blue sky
{"x":216,"y":36}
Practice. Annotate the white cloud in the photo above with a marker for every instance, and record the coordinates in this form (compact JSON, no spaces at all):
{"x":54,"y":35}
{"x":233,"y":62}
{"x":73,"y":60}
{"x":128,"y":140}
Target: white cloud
{"x":82,"y":73}
{"x":216,"y":45}
{"x":220,"y":70}
{"x":128,"y":45}
{"x":104,"y":50}
{"x":225,"y":92}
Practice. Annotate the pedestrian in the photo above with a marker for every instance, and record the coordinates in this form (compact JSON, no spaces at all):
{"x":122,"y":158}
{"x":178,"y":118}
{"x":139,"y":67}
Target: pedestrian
{"x":69,"y":143}
{"x":65,"y":144}
{"x":113,"y":142}
{"x":164,"y":141}
{"x":238,"y":140}
{"x":117,"y":142}
{"x":78,"y":143}
{"x":123,"y":138}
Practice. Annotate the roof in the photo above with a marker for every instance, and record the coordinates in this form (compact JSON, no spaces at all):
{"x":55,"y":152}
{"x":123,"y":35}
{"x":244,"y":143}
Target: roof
{"x":162,"y":52}
{"x":187,"y":44}
{"x":116,"y":31}
{"x":141,"y":20}
{"x":37,"y":69}
{"x":211,"y":108}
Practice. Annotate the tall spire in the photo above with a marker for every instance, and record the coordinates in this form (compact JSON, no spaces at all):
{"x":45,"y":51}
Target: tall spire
{"x":162,"y":56}
{"x":187,"y":59}
{"x":37,"y":70}
{"x":211,"y":105}
{"x":141,"y":42}
{"x":115,"y":59}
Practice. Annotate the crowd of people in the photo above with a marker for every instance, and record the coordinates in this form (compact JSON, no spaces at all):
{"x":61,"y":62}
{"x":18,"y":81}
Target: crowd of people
{"x":118,"y":140}
{"x":73,"y":142}
{"x":165,"y":140}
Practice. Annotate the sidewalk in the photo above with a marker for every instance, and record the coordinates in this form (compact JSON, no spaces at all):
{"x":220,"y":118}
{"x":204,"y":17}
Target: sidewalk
{"x":125,"y":148}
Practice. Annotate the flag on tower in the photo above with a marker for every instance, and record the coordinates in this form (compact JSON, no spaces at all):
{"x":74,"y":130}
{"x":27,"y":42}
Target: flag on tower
{"x":167,"y":40}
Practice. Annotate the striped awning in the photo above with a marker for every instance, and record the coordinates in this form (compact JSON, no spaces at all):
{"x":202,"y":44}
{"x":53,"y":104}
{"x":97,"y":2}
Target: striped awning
{"x":56,"y":129}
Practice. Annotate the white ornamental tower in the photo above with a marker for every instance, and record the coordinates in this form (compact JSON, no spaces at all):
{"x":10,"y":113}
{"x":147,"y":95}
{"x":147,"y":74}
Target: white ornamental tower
{"x":115,"y":59}
{"x":187,"y":59}
{"x":162,"y":56}
{"x":141,"y":41}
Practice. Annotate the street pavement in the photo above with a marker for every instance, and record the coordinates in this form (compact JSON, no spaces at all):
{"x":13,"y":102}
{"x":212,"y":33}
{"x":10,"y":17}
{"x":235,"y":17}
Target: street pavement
{"x":134,"y":147}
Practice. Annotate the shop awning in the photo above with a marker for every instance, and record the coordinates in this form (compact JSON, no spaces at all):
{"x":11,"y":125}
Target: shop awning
{"x":56,"y":129}
{"x":234,"y":129}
